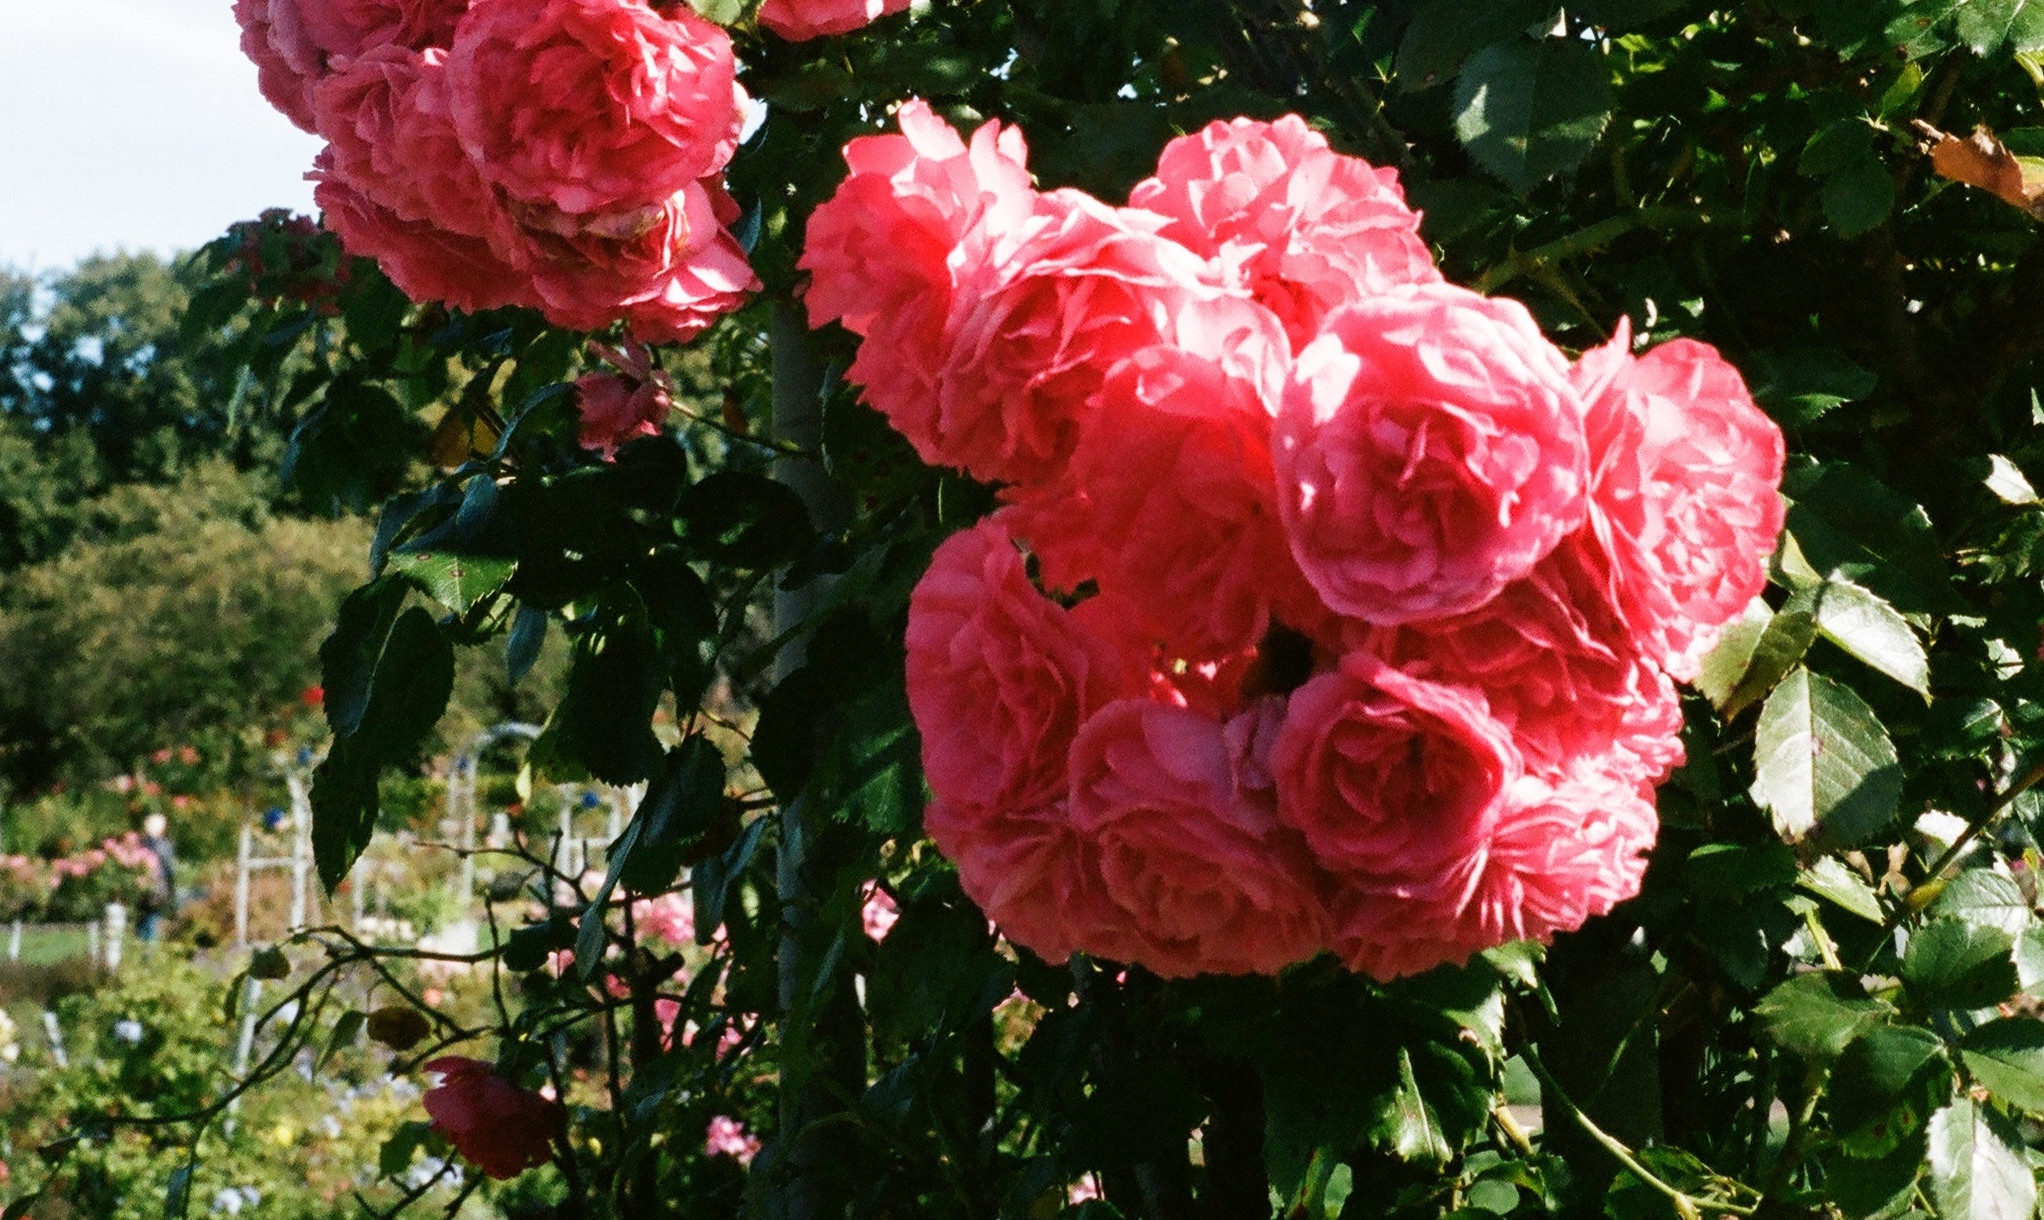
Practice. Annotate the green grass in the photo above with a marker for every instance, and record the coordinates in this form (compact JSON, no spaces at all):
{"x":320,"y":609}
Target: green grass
{"x":44,"y":944}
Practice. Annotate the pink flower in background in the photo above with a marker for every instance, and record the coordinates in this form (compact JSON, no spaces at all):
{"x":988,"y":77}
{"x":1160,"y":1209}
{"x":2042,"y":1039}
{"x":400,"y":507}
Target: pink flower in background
{"x":592,"y":106}
{"x":498,"y":1127}
{"x":1302,"y":228}
{"x":1429,"y":452}
{"x":878,"y":913}
{"x":1000,"y":677}
{"x":614,"y":409}
{"x":796,"y":20}
{"x":1686,"y":472}
{"x":669,"y":917}
{"x":1204,"y":874}
{"x":727,"y":1136}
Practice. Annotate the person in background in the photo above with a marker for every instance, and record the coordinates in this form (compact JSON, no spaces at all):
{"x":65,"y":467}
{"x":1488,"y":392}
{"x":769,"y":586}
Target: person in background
{"x":162,"y":899}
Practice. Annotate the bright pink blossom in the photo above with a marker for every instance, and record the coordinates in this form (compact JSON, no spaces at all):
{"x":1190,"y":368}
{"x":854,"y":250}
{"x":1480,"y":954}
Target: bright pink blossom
{"x":1000,"y":677}
{"x":1686,"y":482}
{"x":616,"y":409}
{"x":1203,"y":872}
{"x":425,"y":261}
{"x":796,"y":20}
{"x":727,"y":1137}
{"x":1391,"y":778}
{"x":1304,"y":229}
{"x":344,"y":29}
{"x":592,"y":106}
{"x":878,"y":914}
{"x":1429,"y":451}
{"x":1561,"y":852}
{"x":1035,"y":876}
{"x":500,"y":1128}
{"x":284,"y":74}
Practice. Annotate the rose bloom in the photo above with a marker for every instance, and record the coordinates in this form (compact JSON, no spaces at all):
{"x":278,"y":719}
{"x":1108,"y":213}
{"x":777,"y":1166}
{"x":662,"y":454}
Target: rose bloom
{"x":1686,"y":486}
{"x":1173,"y":474}
{"x":1555,"y":660}
{"x":1391,"y":778}
{"x":796,"y":20}
{"x":1302,"y":227}
{"x":617,"y":409}
{"x":285,"y":78}
{"x":294,"y":43}
{"x":500,"y":1128}
{"x":879,"y":250}
{"x":1203,"y":873}
{"x":1429,"y":451}
{"x":726,"y":1136}
{"x":593,"y":106}
{"x":1562,"y":851}
{"x":669,"y":271}
{"x":1038,"y":316}
{"x":1000,"y":676}
{"x":426,"y":262}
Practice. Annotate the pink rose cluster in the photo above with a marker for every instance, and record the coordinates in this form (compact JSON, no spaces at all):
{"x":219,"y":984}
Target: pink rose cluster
{"x":565,"y":155}
{"x":1330,"y":607}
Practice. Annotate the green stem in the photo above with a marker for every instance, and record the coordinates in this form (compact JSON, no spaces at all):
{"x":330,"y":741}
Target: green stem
{"x":1587,"y":241}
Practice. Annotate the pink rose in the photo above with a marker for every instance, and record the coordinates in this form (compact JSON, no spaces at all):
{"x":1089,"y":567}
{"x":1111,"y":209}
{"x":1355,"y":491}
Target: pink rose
{"x":343,"y":29}
{"x":1204,"y":874}
{"x":1555,"y":660}
{"x":592,"y":106}
{"x":727,"y":1137}
{"x":285,"y":78}
{"x":1038,"y":316}
{"x":1302,"y":227}
{"x":1429,"y":452}
{"x":617,"y":409}
{"x":878,"y":913}
{"x":1173,"y":469}
{"x":1000,"y":677}
{"x":1686,"y":485}
{"x":1563,"y":851}
{"x":878,"y":250}
{"x":670,"y":271}
{"x":497,"y":1126}
{"x":796,"y":20}
{"x":426,"y":262}
{"x":1392,"y":779}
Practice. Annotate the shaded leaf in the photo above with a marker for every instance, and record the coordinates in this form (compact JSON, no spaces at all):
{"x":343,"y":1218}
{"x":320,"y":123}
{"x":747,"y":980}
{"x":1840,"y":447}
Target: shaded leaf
{"x":1529,"y":109}
{"x":1823,"y":763}
{"x":1831,"y":879}
{"x":1877,"y":1085}
{"x":1954,"y":964}
{"x":2006,"y":1055}
{"x":1816,"y":1016}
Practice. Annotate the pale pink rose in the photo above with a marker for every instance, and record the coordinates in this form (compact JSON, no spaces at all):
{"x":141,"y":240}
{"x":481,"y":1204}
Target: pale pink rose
{"x":670,"y":918}
{"x":796,"y":20}
{"x":878,"y":251}
{"x":1173,"y":469}
{"x":617,"y":409}
{"x":1000,"y":677}
{"x":1303,"y":228}
{"x":1429,"y":451}
{"x":878,"y":913}
{"x":592,"y":106}
{"x":1686,"y":481}
{"x":727,"y":1137}
{"x":1038,"y":316}
{"x":1555,"y":660}
{"x":1392,"y":779}
{"x":1564,"y":850}
{"x":285,"y":79}
{"x":1203,"y":873}
{"x":669,"y":271}
{"x":426,"y":262}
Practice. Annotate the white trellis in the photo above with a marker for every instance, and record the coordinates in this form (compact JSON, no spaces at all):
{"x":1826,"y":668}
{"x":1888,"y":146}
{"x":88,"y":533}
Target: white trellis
{"x":573,"y":852}
{"x":298,"y":858}
{"x":461,"y":795}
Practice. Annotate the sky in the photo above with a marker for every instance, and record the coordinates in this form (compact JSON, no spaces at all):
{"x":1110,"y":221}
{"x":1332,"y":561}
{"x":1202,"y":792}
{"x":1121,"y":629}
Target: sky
{"x":133,"y":124}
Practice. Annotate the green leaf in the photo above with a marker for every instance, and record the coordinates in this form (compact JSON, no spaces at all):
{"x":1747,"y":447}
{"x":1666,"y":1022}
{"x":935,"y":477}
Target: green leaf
{"x":1866,"y":626}
{"x":1978,"y":1170}
{"x":603,"y":724}
{"x":409,"y":682}
{"x":1781,"y":647}
{"x":1989,"y":26}
{"x":1444,"y":33}
{"x":1407,"y":1125}
{"x":1858,"y":197}
{"x":1831,"y":879}
{"x":177,"y":1197}
{"x":527,"y":638}
{"x":680,"y":810}
{"x":1987,"y":898}
{"x":1729,"y":658}
{"x":1799,"y":386}
{"x":1823,"y":763}
{"x":396,"y":1154}
{"x":1954,"y":964}
{"x":1816,"y":1016}
{"x":1528,"y":109}
{"x":2007,"y":481}
{"x":455,"y":579}
{"x":2006,"y":1056}
{"x":348,"y":657}
{"x":1876,"y":1082}
{"x":345,"y":1032}
{"x":745,"y":520}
